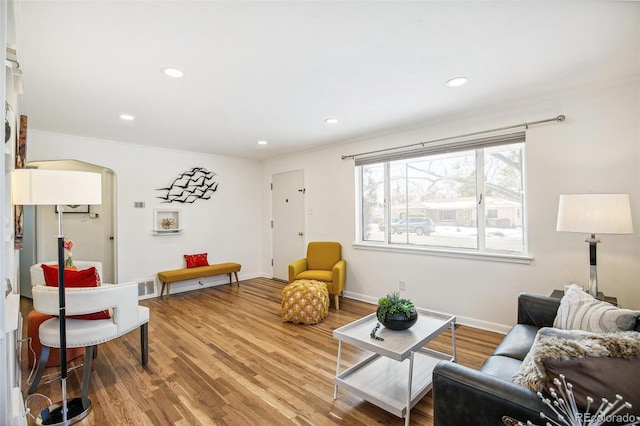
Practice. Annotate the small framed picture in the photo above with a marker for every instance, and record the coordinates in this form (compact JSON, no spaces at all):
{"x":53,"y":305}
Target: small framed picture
{"x":74,"y":208}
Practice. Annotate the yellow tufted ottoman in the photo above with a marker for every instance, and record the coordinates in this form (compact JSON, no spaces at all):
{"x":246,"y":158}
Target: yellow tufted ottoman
{"x":305,"y":301}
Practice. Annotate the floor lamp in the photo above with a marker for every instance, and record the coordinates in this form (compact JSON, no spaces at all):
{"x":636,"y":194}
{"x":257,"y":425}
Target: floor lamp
{"x":594,"y":214}
{"x":60,"y":188}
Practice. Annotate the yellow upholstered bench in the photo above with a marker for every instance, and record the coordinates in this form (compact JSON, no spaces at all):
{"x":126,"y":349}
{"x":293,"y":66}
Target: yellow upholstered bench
{"x":168,"y":277}
{"x":305,"y":301}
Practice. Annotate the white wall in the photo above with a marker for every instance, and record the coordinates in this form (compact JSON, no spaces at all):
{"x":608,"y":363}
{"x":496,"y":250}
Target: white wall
{"x":227,"y":226}
{"x":595,"y":150}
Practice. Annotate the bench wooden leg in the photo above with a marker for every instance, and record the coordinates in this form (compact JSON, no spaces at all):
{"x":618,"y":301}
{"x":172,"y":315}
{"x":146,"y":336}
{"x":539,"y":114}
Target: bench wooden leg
{"x":230,"y":280}
{"x":168,"y":288}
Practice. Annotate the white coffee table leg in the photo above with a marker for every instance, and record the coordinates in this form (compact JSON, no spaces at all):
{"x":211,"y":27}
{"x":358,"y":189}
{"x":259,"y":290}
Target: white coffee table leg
{"x":453,"y":340}
{"x":406,"y":418}
{"x":335,"y":386}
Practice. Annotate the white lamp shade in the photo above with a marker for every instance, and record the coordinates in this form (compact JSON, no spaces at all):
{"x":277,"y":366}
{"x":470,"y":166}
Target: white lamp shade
{"x":595,"y":214}
{"x":49,"y":187}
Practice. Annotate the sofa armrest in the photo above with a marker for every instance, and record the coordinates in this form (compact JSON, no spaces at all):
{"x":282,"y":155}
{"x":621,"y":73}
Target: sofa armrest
{"x":339,"y":276}
{"x":463,"y":396}
{"x":297,"y":267}
{"x":537,"y":310}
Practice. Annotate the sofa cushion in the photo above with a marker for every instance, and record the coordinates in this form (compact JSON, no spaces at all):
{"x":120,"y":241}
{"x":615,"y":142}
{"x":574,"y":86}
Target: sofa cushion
{"x":553,"y":346}
{"x":314,"y":274}
{"x":73,"y":278}
{"x":323,"y":255}
{"x":580,"y":311}
{"x":502,"y":367}
{"x":517,"y":342}
{"x":598,"y":378}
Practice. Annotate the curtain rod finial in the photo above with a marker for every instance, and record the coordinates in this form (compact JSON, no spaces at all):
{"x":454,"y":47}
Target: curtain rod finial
{"x":561,"y":117}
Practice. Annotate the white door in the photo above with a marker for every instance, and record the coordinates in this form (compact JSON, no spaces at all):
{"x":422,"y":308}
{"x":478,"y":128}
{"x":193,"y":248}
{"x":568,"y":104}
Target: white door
{"x":288,"y":221}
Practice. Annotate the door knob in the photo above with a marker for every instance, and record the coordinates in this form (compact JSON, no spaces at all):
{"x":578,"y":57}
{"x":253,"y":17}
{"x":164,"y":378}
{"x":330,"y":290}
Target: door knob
{"x":301,"y":233}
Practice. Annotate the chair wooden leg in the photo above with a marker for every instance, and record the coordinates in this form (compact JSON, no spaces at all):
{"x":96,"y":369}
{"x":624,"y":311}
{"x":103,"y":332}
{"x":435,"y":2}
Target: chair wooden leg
{"x":144,"y":342}
{"x":336,"y":301}
{"x":42,"y":364}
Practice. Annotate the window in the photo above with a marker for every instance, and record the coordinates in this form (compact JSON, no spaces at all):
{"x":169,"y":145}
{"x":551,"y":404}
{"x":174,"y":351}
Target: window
{"x":454,"y":197}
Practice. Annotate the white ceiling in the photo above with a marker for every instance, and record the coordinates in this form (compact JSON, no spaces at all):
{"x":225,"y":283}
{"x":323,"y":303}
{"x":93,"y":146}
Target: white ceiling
{"x":276,"y":70}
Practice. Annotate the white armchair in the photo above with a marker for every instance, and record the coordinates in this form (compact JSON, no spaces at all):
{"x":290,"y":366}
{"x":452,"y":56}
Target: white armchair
{"x":127,"y":315}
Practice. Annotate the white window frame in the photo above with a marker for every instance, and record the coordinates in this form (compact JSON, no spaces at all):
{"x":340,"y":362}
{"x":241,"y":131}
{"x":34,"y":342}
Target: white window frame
{"x":481,"y":252}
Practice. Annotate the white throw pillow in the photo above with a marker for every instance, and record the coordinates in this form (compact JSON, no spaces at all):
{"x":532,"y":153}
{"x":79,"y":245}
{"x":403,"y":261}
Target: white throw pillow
{"x":580,"y":311}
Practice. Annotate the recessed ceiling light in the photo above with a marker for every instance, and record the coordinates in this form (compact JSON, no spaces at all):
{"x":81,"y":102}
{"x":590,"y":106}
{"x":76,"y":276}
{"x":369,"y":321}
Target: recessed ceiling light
{"x":331,"y":120}
{"x":262,"y":142}
{"x":172,"y":72}
{"x":126,"y":117}
{"x":457,"y":82}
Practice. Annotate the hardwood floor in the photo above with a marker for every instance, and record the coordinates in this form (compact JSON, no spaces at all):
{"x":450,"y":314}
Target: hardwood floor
{"x":222,"y":356}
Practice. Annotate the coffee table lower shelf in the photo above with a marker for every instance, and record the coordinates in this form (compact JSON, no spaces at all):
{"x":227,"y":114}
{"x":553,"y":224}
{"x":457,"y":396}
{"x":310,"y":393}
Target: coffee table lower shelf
{"x":384,"y":382}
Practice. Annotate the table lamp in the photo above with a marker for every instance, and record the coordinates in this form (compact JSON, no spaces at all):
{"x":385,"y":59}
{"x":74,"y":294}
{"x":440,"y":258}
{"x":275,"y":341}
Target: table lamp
{"x":58,"y":187}
{"x":594,"y":214}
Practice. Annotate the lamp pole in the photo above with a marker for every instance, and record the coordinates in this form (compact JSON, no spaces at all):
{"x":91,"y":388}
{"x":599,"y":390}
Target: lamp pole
{"x":593,"y":273}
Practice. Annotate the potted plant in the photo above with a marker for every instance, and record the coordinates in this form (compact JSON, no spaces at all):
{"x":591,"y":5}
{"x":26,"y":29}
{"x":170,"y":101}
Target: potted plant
{"x":394,"y":313}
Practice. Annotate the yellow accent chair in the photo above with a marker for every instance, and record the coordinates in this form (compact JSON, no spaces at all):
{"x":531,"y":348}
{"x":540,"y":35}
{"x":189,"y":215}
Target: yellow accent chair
{"x":324,"y":263}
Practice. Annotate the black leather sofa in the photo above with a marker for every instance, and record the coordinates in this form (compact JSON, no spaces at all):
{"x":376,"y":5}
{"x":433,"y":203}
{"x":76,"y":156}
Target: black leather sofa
{"x":463,"y":396}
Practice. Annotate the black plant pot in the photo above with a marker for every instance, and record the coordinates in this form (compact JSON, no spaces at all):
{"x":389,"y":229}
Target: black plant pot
{"x":399,"y":321}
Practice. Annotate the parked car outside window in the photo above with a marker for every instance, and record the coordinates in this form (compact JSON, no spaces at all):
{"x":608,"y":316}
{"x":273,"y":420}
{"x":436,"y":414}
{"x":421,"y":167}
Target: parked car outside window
{"x":417,"y":225}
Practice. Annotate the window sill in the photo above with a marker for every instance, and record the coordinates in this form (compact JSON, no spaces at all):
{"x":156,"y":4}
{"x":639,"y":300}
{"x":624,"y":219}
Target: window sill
{"x":463,"y":254}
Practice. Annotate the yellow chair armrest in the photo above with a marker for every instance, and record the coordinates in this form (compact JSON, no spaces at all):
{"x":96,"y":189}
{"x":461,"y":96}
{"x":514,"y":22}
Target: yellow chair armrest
{"x":339,"y":276}
{"x":296,"y":267}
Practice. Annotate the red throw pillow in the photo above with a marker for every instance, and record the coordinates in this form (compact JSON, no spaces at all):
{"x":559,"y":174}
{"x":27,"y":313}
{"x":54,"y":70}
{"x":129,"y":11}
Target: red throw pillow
{"x":194,"y":260}
{"x":74,"y":278}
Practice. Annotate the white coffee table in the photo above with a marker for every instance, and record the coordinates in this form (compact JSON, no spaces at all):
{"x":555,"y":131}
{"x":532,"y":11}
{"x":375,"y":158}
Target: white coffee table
{"x":398,"y":373}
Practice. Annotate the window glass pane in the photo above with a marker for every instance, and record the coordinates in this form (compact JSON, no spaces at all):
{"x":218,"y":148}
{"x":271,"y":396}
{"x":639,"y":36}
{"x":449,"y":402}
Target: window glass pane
{"x":434,"y":203}
{"x":399,"y":208}
{"x":373,"y":202}
{"x":504,"y":197}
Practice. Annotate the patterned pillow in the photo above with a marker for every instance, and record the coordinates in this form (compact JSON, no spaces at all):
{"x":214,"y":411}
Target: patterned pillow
{"x":194,"y":260}
{"x":580,"y":311}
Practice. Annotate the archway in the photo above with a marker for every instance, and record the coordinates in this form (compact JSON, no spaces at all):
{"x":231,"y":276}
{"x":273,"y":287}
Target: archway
{"x":92,"y":229}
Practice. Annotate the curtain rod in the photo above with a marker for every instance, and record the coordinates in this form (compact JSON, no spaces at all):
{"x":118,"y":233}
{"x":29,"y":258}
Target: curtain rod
{"x":525,"y":125}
